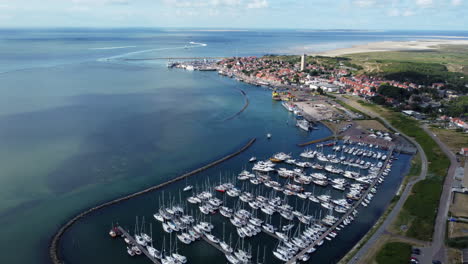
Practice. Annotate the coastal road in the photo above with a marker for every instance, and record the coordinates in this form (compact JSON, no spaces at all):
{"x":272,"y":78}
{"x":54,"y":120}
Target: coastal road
{"x":439,"y":251}
{"x":394,"y":212}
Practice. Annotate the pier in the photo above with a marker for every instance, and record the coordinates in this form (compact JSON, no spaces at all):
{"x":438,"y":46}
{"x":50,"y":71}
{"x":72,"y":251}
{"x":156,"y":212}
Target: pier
{"x":143,"y":249}
{"x":215,"y":245}
{"x":317,"y":141}
{"x":54,"y":243}
{"x":350,"y":211}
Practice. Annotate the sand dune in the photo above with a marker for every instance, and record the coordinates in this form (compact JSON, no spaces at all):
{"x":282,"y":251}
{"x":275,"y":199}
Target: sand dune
{"x":394,"y":46}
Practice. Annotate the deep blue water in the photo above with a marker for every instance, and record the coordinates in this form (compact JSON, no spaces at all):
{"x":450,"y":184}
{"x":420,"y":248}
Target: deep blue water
{"x":79,"y":125}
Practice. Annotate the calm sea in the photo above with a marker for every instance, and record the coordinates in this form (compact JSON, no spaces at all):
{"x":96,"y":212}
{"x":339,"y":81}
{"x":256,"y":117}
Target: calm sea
{"x":80,"y":124}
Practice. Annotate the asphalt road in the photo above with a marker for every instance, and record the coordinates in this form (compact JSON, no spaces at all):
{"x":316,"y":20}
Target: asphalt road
{"x":394,"y":213}
{"x":437,"y":248}
{"x":439,"y":251}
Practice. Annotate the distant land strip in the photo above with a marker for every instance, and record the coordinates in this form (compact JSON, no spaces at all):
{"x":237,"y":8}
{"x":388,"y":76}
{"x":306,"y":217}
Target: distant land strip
{"x":176,"y":58}
{"x":54,"y":244}
{"x":243,"y":108}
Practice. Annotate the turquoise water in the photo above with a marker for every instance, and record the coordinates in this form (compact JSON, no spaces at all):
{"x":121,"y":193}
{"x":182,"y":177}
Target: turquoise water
{"x":79,"y":125}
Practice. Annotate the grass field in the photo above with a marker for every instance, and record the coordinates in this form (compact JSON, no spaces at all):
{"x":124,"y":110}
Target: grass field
{"x":455,"y":58}
{"x":457,"y":229}
{"x":459,"y":207}
{"x":452,"y":138}
{"x":394,"y":253}
{"x":420,"y":209}
{"x":371,"y":124}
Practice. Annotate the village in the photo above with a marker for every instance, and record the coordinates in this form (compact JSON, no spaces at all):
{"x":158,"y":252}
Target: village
{"x":301,"y":79}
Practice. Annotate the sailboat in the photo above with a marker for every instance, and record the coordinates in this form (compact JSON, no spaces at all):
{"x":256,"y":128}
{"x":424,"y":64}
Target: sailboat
{"x":138,"y":238}
{"x":268,"y":135}
{"x":151,"y":250}
{"x":224,"y":245}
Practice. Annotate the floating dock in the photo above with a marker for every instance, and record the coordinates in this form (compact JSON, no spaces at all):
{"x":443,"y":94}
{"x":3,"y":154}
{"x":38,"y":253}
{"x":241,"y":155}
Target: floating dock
{"x":143,"y":249}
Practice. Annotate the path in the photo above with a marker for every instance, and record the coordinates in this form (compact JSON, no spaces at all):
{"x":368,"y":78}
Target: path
{"x":396,"y":209}
{"x":439,"y":251}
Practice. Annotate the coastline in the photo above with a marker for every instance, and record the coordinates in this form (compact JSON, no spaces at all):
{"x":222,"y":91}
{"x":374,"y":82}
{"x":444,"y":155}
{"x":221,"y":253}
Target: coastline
{"x":415,"y":45}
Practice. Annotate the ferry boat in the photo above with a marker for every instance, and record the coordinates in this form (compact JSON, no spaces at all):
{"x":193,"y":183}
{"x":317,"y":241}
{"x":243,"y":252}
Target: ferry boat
{"x":303,"y":124}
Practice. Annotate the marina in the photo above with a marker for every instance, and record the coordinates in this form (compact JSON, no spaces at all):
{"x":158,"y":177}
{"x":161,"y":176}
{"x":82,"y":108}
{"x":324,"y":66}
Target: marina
{"x":126,"y":235}
{"x":249,"y":201}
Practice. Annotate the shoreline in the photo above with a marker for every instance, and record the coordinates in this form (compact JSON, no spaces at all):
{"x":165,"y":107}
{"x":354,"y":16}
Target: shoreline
{"x":384,"y":46}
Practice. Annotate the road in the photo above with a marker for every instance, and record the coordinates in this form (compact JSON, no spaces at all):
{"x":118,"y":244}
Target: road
{"x":439,"y":251}
{"x":394,"y":213}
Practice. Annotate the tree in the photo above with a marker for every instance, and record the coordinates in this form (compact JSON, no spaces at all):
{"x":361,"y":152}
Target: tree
{"x":378,"y":99}
{"x":320,"y":90}
{"x":393,"y":92}
{"x":458,"y":107}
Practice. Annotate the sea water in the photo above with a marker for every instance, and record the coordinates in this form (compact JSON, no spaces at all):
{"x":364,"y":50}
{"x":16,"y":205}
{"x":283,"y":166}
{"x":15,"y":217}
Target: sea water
{"x":81,"y":124}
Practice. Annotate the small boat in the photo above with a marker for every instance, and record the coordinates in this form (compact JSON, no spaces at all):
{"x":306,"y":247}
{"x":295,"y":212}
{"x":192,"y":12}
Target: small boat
{"x":130,"y":252}
{"x":188,"y":188}
{"x":252,"y":159}
{"x":268,"y":135}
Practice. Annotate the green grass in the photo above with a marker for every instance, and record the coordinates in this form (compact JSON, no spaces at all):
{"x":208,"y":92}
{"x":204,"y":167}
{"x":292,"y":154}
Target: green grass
{"x":347,"y":106}
{"x":420,"y":208}
{"x":448,"y":64}
{"x":458,"y":242}
{"x":394,"y":253}
{"x":455,"y":58}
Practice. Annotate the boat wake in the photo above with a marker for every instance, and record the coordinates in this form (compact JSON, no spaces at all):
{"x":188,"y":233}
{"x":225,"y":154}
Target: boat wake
{"x":193,"y":45}
{"x":198,"y":43}
{"x":112,"y":48}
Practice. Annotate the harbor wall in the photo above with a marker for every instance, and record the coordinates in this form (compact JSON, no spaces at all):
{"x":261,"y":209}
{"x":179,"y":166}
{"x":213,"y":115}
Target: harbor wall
{"x":54,"y":243}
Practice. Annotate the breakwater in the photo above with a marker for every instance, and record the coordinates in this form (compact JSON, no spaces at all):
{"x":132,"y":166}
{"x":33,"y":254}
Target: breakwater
{"x":243,"y":108}
{"x":316,"y":141}
{"x":54,"y":243}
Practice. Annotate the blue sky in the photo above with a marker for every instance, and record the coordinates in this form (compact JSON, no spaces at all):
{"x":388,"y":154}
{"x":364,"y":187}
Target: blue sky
{"x":307,"y":14}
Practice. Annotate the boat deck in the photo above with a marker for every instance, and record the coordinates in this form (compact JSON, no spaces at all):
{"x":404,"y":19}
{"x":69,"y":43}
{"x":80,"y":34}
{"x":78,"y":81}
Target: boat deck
{"x":143,"y":249}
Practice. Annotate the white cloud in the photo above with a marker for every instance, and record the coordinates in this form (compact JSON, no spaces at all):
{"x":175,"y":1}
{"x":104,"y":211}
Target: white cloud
{"x":202,"y":3}
{"x":364,"y":3}
{"x":395,"y":12}
{"x":408,"y":13}
{"x":101,"y":2}
{"x":215,"y":3}
{"x":258,"y":4}
{"x":424,"y":3}
{"x":457,"y":2}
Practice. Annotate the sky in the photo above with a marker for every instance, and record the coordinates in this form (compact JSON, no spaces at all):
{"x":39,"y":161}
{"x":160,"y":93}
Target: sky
{"x":229,"y":14}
